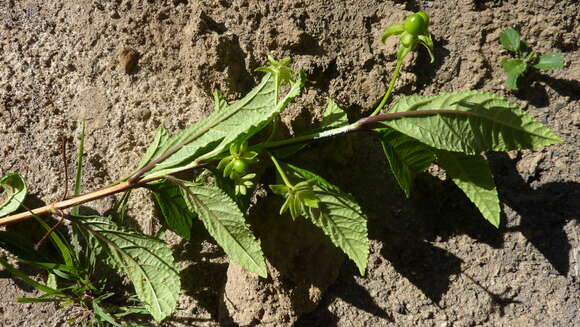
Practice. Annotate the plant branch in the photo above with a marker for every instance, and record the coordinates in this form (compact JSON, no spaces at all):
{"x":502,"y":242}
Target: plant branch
{"x":281,"y":172}
{"x":367,"y":123}
{"x":390,"y":89}
{"x":363,"y":124}
{"x":53,"y":207}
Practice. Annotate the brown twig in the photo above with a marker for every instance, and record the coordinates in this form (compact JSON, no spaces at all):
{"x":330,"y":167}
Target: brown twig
{"x":75,"y":201}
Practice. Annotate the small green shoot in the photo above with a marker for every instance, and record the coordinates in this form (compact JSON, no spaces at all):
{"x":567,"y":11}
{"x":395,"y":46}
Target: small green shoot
{"x":524,"y":58}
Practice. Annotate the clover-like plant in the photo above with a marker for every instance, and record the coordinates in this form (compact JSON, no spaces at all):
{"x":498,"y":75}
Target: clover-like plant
{"x":524,"y":58}
{"x":451,"y":130}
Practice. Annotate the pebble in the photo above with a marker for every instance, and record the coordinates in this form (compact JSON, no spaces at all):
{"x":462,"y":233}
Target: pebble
{"x":128,"y":59}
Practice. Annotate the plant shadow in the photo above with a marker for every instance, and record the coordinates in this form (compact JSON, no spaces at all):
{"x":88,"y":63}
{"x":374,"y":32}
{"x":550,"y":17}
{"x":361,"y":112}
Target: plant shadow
{"x":205,"y":274}
{"x":542,"y":225}
{"x":536,"y":94}
{"x":426,"y":71}
{"x":405,"y":228}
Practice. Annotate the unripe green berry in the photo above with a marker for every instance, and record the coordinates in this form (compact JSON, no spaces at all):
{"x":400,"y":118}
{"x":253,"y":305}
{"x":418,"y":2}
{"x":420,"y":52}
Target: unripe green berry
{"x":425,"y":19}
{"x":416,"y":24}
{"x":239,"y":166}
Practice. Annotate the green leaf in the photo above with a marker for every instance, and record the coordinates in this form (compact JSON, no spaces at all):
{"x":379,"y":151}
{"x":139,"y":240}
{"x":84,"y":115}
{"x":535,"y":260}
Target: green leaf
{"x":391,"y":30}
{"x":280,"y":70}
{"x":512,"y":81}
{"x":472,"y":175}
{"x":514,"y":66}
{"x":480,"y":122}
{"x":550,"y":61}
{"x":168,"y":198}
{"x":340,"y":217}
{"x":407,"y":156}
{"x":333,"y":116}
{"x":159,"y":145}
{"x":226,"y":224}
{"x":13,"y":192}
{"x":147,"y":262}
{"x":215,"y":133}
{"x":103,"y":315}
{"x":64,"y":248}
{"x":510,"y":40}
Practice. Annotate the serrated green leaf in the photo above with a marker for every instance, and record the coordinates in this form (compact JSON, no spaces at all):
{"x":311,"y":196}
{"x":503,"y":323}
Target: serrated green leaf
{"x":512,"y":81}
{"x":333,"y":116}
{"x":146,"y":261}
{"x":472,"y":175}
{"x":228,"y":186}
{"x":215,"y":133}
{"x":550,"y":61}
{"x":340,"y":217}
{"x":156,"y":148}
{"x":480,"y":122}
{"x":177,"y":215}
{"x":406,"y":156}
{"x":226,"y":224}
{"x":514,"y":66}
{"x":510,"y":40}
{"x":13,"y":192}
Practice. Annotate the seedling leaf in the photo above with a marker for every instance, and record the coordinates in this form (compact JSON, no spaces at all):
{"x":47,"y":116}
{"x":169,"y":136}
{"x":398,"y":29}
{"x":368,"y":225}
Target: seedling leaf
{"x":226,"y":224}
{"x":510,"y":40}
{"x":514,"y":66}
{"x":407,"y":156}
{"x":550,"y":61}
{"x":147,"y":262}
{"x":340,"y":217}
{"x":472,"y":175}
{"x":512,"y":81}
{"x":177,"y":215}
{"x":13,"y":193}
{"x":482,"y":122}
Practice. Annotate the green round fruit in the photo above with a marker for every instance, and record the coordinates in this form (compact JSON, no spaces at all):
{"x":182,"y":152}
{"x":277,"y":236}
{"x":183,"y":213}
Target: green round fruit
{"x":240,"y":166}
{"x":425,"y":18}
{"x":416,"y":24}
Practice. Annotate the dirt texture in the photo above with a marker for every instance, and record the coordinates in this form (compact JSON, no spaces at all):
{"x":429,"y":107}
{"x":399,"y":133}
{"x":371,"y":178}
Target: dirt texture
{"x":129,"y":66}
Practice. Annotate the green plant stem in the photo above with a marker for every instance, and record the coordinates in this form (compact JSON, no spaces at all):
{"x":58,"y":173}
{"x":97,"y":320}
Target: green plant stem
{"x":281,"y":172}
{"x":390,"y":89}
{"x":363,"y":124}
{"x":368,"y":123}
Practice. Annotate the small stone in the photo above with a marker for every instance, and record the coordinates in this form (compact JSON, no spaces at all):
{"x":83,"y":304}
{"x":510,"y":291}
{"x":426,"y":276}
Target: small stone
{"x":399,"y":308}
{"x":484,"y":20}
{"x":128,"y":59}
